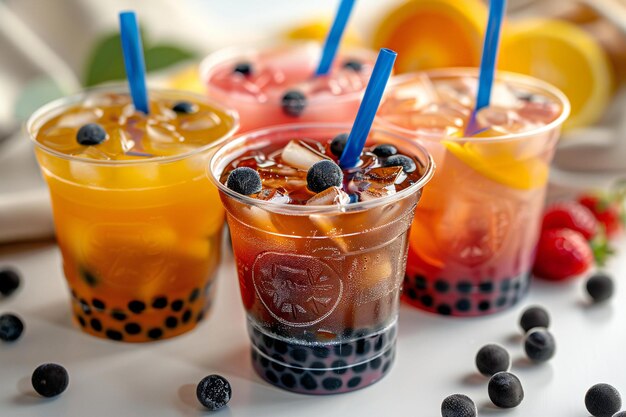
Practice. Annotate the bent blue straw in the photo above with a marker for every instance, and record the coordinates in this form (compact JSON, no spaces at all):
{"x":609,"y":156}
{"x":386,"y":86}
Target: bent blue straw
{"x":133,"y":60}
{"x":367,"y":110}
{"x":334,"y":37}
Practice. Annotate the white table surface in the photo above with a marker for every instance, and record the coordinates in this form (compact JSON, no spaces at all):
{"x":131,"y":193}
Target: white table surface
{"x":435,"y":357}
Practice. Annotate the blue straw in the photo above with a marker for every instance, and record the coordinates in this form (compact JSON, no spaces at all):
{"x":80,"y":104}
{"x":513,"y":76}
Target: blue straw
{"x":334,"y":37}
{"x":367,"y":110}
{"x":133,"y":60}
{"x":490,"y":54}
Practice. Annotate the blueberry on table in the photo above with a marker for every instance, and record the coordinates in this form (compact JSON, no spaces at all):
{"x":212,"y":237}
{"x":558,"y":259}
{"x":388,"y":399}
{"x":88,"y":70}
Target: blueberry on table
{"x":11,"y":327}
{"x":384,"y":150}
{"x":50,"y":380}
{"x":492,"y":359}
{"x":9,"y":281}
{"x":539,"y":345}
{"x":214,"y":392}
{"x":293,"y":103}
{"x":243,"y":68}
{"x":603,"y":400}
{"x":534,"y":317}
{"x":323,"y":175}
{"x":184,"y":107}
{"x":354,"y":65}
{"x":600,"y":287}
{"x":244,"y":180}
{"x":407,"y":164}
{"x":338,"y":144}
{"x":458,"y":405}
{"x":505,"y":390}
{"x":91,"y":134}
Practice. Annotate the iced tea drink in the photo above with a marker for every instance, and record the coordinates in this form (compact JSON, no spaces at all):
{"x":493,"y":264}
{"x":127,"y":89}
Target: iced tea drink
{"x":473,"y":239}
{"x":320,"y":271}
{"x":137,"y":221}
{"x":276,"y":85}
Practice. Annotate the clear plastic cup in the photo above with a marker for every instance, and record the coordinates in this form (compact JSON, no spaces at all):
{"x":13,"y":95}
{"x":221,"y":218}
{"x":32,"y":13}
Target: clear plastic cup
{"x":320,"y":284}
{"x":140,"y":238}
{"x":473,"y":240}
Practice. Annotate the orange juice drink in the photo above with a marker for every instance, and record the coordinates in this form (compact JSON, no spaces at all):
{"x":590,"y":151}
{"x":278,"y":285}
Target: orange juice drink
{"x":138,"y":223}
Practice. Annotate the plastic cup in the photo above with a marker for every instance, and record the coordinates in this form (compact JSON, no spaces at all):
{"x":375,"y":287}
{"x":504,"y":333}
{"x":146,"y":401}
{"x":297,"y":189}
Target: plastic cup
{"x":140,"y":238}
{"x":473,"y":240}
{"x":320,"y":284}
{"x":278,"y":69}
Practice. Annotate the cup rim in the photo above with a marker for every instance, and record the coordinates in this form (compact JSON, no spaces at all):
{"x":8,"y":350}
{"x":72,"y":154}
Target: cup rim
{"x":43,"y":112}
{"x":502,"y":76}
{"x":307,"y":210}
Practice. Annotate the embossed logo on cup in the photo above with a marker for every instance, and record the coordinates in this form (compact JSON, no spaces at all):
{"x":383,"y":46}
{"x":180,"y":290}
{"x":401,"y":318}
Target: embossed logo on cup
{"x":297,"y":290}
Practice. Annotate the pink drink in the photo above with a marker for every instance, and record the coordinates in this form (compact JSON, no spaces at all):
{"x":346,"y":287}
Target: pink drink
{"x":255,"y":81}
{"x":473,"y":239}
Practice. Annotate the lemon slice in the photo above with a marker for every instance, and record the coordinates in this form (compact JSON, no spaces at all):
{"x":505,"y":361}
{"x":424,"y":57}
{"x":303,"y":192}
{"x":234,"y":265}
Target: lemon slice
{"x":434,"y":34}
{"x":186,"y":78}
{"x":317,"y":29}
{"x":565,"y":56}
{"x":503,"y":166}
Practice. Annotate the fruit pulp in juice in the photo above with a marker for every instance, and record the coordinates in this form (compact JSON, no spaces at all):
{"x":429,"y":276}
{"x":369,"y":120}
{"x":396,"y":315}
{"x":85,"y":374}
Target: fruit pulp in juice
{"x":321,"y":291}
{"x":277,"y":85}
{"x":138,"y":224}
{"x":474,"y":236}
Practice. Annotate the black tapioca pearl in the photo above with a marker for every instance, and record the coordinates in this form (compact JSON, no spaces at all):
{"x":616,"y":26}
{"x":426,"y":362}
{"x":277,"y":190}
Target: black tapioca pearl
{"x":380,"y":342}
{"x":114,"y":335}
{"x":362,"y":347}
{"x":343,"y":350}
{"x":264,"y":362}
{"x":420,"y":282}
{"x":444,"y":309}
{"x":118,"y":315}
{"x":271,"y":376}
{"x":288,"y":380}
{"x":332,"y":384}
{"x":84,"y":306}
{"x":136,"y":306}
{"x":348,"y":332}
{"x":341,"y":367}
{"x":427,"y":300}
{"x":177,"y":305}
{"x":464,"y":287}
{"x":505,"y":285}
{"x":98,"y":304}
{"x":486,"y":287}
{"x":500,"y":302}
{"x":262,"y":349}
{"x":295,"y":369}
{"x":517,"y":285}
{"x":354,"y":382}
{"x":319,"y":368}
{"x":132,"y":328}
{"x":359,"y":368}
{"x":411,"y":293}
{"x":186,"y":316}
{"x":200,"y":316}
{"x":299,"y":354}
{"x":388,"y":353}
{"x":277,"y":365}
{"x":268,"y":341}
{"x":96,"y":324}
{"x":194,"y":295}
{"x":386,"y":366}
{"x":484,"y":305}
{"x":321,"y":352}
{"x":155,"y":333}
{"x":375,"y":363}
{"x":81,"y":321}
{"x":159,"y":302}
{"x":280,"y":346}
{"x":463,"y":305}
{"x":308,"y":382}
{"x":171,"y":322}
{"x":442,"y":286}
{"x":89,"y":278}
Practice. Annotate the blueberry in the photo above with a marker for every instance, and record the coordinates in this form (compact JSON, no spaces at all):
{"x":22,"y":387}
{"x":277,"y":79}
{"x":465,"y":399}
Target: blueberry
{"x":354,"y":65}
{"x":384,"y":150}
{"x":539,"y":345}
{"x":11,"y":327}
{"x":534,"y":317}
{"x":9,"y":281}
{"x":91,"y":134}
{"x":492,"y":359}
{"x":214,"y":392}
{"x":338,"y":144}
{"x":243,"y":68}
{"x":505,"y":390}
{"x":407,"y":164}
{"x":600,"y":287}
{"x":621,"y":414}
{"x":603,"y":400}
{"x":244,"y":180}
{"x":50,"y":380}
{"x":293,"y":103}
{"x":323,"y":175}
{"x":184,"y":107}
{"x":458,"y":405}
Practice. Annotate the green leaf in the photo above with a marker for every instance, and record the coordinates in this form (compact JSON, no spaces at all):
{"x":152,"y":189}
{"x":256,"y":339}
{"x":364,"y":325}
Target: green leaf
{"x":162,"y":56}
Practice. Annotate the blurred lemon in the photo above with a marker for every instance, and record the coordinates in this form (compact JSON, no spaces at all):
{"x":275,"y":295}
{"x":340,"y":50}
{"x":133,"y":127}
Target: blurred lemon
{"x":186,"y":78}
{"x":317,"y":30}
{"x":434,"y":34}
{"x":565,"y":56}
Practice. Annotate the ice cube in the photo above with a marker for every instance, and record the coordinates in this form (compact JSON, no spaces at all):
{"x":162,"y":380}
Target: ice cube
{"x":539,"y":112}
{"x":163,"y":133}
{"x":273,"y":195}
{"x":81,"y":118}
{"x":330,"y":196}
{"x":202,"y":121}
{"x":86,"y":171}
{"x":384,"y":176}
{"x":300,"y":155}
{"x":282,"y":177}
{"x":500,"y":120}
{"x":373,"y":193}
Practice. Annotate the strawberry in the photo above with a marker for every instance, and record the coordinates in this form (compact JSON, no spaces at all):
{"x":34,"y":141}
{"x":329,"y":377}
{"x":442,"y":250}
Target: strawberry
{"x":607,"y":209}
{"x":571,"y":215}
{"x":562,"y":254}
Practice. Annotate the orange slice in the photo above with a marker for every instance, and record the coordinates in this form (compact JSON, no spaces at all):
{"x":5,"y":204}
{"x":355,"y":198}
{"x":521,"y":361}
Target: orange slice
{"x":317,"y":29}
